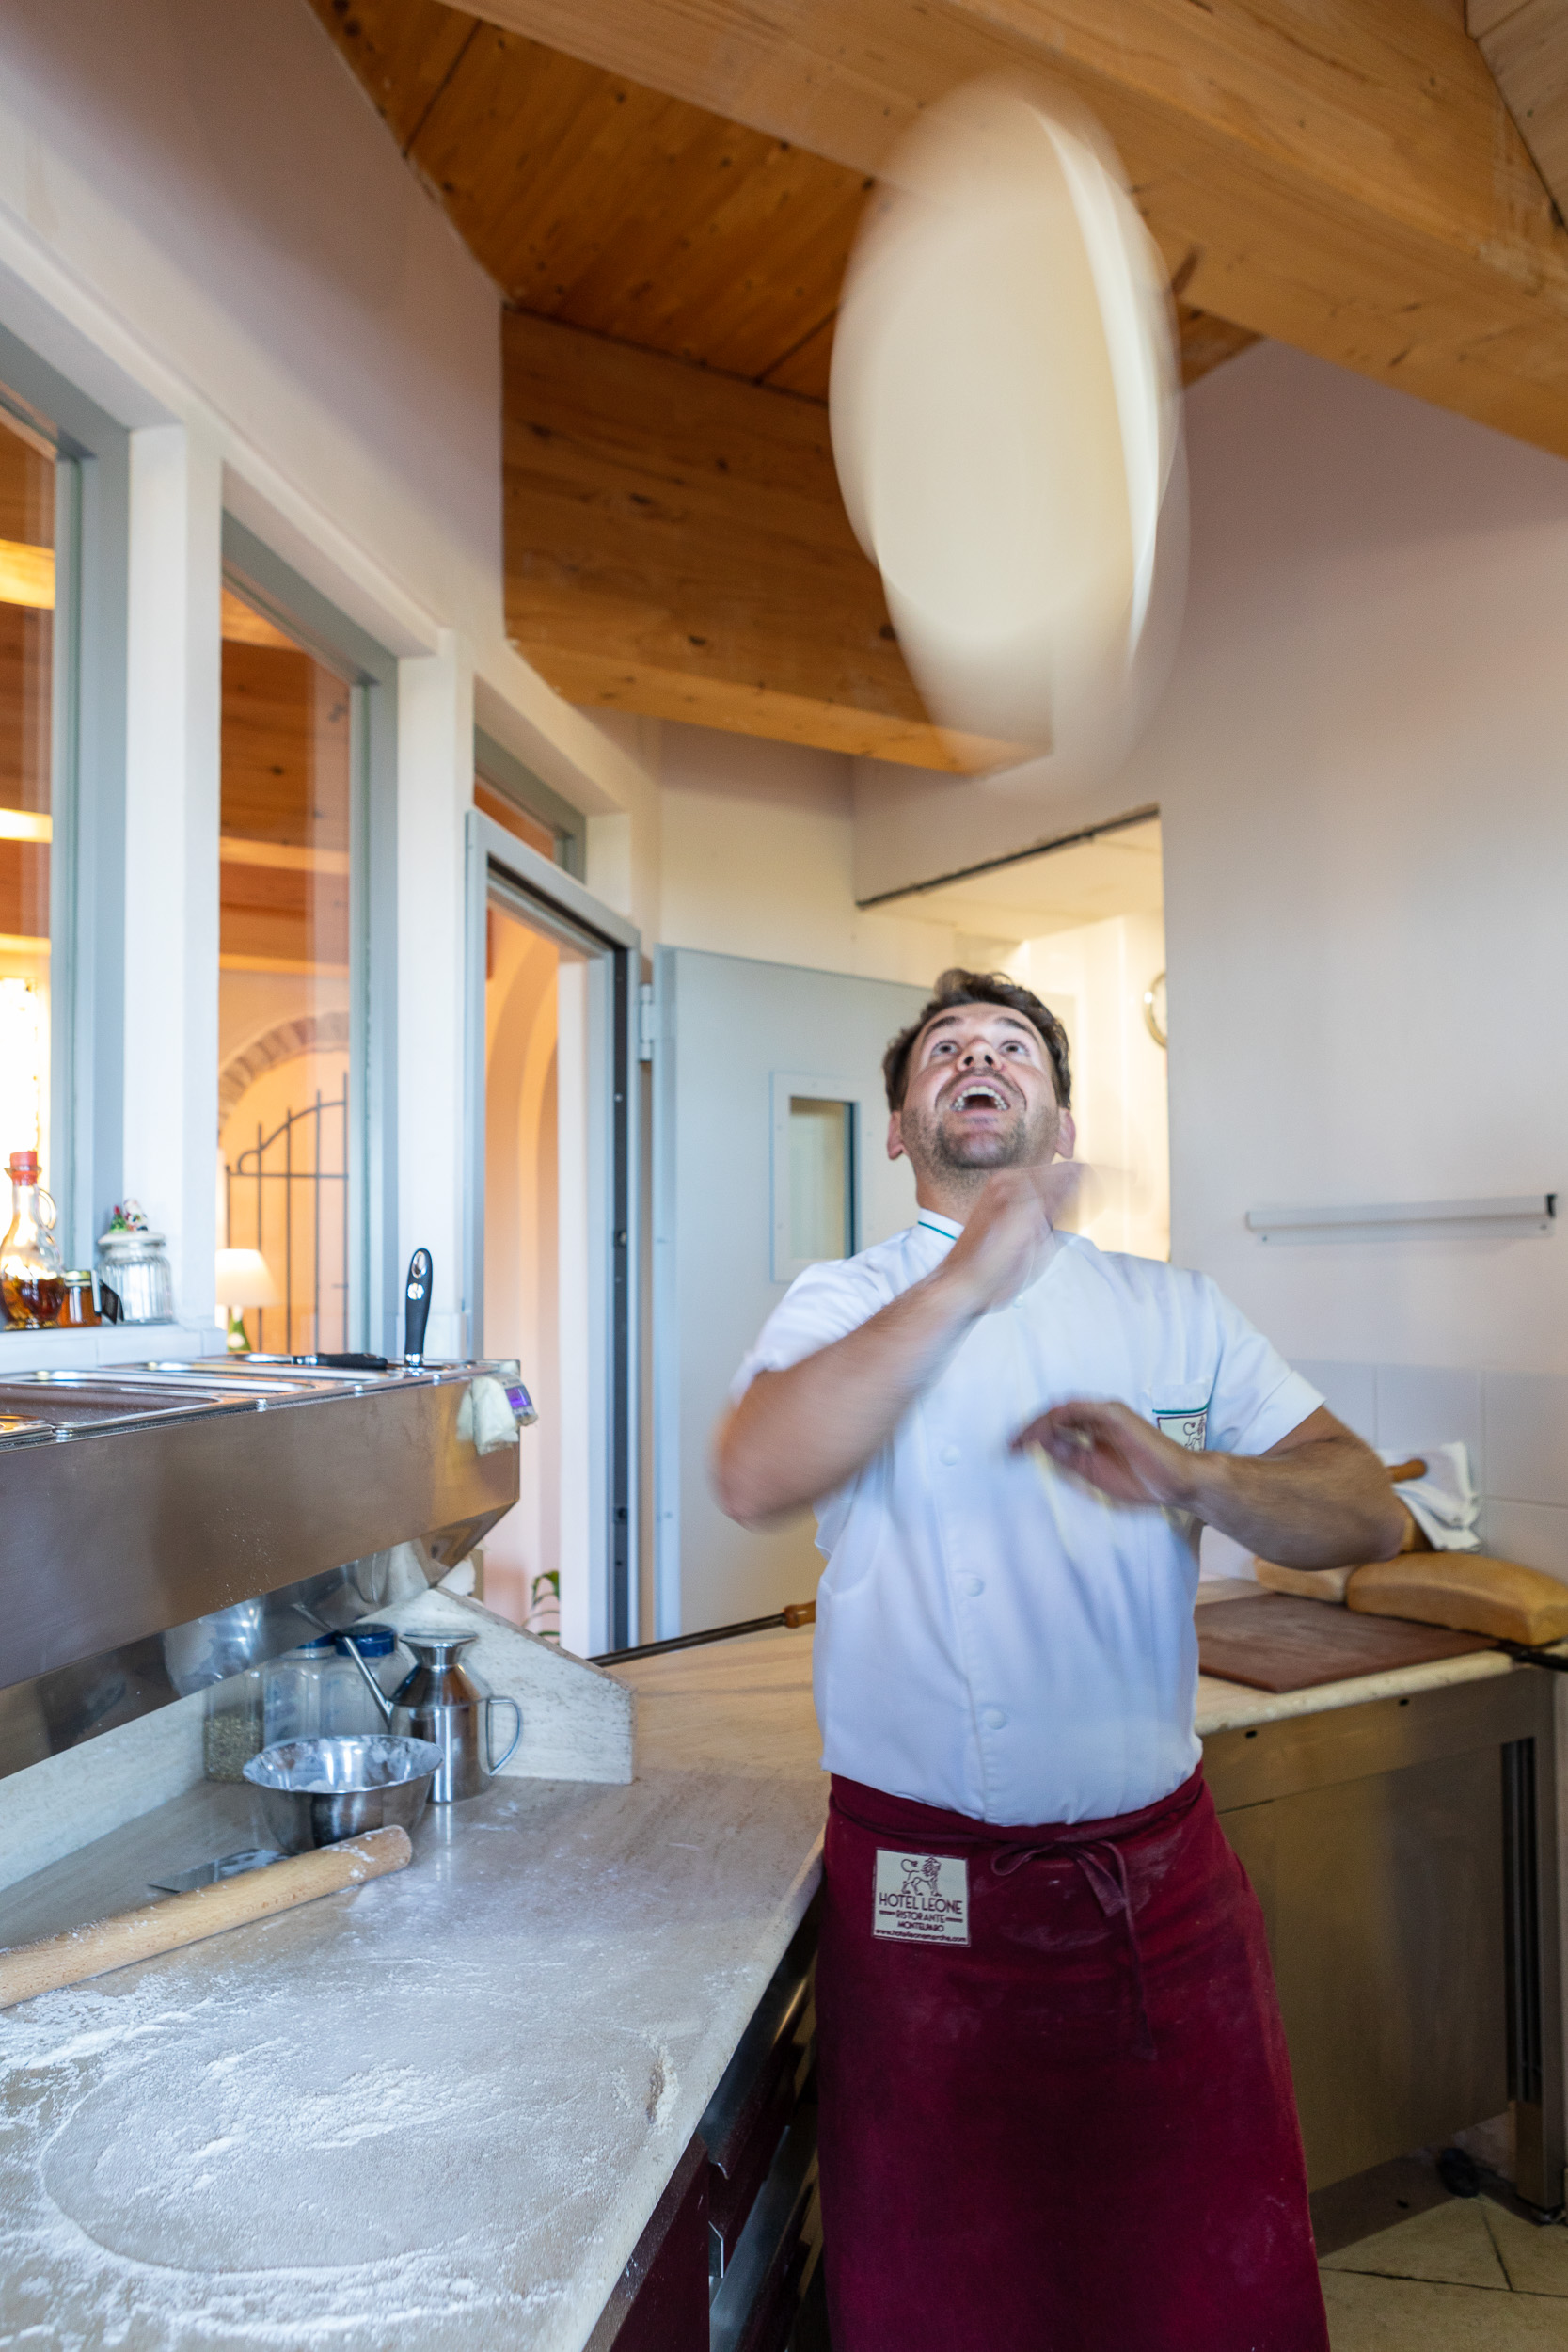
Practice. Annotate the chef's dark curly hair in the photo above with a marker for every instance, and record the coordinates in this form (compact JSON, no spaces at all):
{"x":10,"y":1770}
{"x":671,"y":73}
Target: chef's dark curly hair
{"x":979,"y":988}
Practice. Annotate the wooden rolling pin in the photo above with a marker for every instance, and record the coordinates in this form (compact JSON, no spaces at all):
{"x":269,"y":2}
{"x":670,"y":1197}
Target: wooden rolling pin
{"x":132,"y":1936}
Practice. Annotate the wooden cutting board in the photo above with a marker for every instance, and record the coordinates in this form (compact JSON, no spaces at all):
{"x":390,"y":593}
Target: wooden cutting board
{"x":1281,"y":1643}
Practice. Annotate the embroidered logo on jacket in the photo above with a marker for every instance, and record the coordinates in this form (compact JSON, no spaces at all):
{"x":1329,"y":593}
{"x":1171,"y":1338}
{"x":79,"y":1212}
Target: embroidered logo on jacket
{"x":1187,"y":1428}
{"x":921,"y":1897}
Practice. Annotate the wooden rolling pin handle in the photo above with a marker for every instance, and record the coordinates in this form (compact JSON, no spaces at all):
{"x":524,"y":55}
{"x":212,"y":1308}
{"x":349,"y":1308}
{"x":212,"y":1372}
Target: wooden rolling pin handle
{"x":1402,"y":1470}
{"x":801,"y":1613}
{"x":132,"y":1936}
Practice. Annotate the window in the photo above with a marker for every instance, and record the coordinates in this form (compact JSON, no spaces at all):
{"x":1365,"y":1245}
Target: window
{"x":27,"y":497}
{"x":818,"y":1177}
{"x":284,"y":997}
{"x":307,"y":956}
{"x":821,"y":1179}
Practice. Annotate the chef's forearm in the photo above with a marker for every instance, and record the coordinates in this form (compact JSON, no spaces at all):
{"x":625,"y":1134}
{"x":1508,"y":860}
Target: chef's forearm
{"x":798,"y":1434}
{"x":1323,"y":1505}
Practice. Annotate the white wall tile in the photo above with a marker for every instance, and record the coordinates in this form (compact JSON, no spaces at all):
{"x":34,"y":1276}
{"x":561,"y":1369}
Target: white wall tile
{"x":1424,"y":1405}
{"x":1350,"y":1391}
{"x":1527,"y":1436}
{"x":1533,"y":1533}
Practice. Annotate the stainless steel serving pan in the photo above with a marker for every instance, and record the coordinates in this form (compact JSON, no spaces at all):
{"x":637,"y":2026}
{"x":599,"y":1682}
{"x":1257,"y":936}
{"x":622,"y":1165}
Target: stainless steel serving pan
{"x":163,"y":1523}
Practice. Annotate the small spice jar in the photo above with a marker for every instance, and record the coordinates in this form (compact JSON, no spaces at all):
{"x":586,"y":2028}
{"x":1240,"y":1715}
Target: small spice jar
{"x":77,"y":1310}
{"x":135,"y":1268}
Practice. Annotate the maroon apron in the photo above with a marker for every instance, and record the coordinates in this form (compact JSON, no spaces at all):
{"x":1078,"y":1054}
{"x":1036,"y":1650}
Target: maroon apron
{"x":1056,"y":2112}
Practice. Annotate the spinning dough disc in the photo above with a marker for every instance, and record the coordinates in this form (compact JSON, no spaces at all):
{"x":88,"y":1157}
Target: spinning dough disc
{"x":1006,"y":417}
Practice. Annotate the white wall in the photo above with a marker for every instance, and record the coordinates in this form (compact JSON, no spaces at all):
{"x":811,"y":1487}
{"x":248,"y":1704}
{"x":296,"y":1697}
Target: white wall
{"x":1361,"y":767}
{"x":749,"y":852}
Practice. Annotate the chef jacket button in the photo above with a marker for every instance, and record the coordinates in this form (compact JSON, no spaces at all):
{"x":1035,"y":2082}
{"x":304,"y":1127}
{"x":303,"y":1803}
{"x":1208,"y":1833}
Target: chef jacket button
{"x":950,"y":1453}
{"x":973,"y":1585}
{"x":993,"y":1718}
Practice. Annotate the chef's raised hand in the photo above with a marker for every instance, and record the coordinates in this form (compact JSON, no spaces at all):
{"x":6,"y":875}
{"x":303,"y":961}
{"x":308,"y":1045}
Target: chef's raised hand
{"x":1115,"y":1449}
{"x":800,"y":1432}
{"x":1004,"y":1243}
{"x":1319,"y":1499}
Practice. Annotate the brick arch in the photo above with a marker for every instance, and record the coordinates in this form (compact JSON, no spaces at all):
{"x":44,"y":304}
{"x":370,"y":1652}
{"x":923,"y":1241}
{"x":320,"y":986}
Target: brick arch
{"x":287,"y":1040}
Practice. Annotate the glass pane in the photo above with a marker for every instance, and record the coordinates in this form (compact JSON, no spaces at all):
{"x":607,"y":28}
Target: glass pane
{"x":283,"y":983}
{"x":820,"y":1179}
{"x":514,"y":821}
{"x":537,"y":1291}
{"x":26,"y":631}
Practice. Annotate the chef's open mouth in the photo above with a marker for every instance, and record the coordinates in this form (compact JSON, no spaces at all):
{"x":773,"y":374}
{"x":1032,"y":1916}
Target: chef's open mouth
{"x":980,"y":1095}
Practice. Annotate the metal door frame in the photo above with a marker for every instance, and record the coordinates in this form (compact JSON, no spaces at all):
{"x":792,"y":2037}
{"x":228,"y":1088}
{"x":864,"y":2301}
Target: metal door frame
{"x":553,"y":901}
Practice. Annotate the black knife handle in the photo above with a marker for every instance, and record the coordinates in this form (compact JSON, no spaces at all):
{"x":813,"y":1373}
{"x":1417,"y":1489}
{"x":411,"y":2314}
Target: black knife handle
{"x":415,"y":1307}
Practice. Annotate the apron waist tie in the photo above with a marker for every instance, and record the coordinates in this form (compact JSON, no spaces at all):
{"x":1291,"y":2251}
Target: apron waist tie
{"x":1104,"y":1868}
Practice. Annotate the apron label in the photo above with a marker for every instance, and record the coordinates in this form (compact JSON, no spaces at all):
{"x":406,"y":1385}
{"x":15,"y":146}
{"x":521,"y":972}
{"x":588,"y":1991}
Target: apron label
{"x":1188,"y":1429}
{"x":923,"y":1899}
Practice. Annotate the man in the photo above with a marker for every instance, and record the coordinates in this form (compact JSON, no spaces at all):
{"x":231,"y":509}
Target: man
{"x":1057,"y":2110}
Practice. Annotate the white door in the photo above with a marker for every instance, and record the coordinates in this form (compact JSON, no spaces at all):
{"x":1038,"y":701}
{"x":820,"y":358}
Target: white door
{"x":770,"y":1151}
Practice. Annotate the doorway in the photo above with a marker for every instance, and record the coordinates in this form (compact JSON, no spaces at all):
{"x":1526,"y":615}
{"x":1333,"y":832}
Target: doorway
{"x":1084,"y":925}
{"x":535,"y":1240}
{"x":552,"y":1092}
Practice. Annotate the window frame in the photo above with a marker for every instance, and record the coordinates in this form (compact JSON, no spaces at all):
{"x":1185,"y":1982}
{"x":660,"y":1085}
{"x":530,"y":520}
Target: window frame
{"x":506,"y":774}
{"x":253,"y":571}
{"x":87,"y":787}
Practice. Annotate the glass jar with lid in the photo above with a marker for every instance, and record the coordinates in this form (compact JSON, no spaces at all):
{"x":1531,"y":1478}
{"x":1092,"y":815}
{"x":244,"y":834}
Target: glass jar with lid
{"x":78,"y":1310}
{"x":133,"y":1266}
{"x":294,"y":1690}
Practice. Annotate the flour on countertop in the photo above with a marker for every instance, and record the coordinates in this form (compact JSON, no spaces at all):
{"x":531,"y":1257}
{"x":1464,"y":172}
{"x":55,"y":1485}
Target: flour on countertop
{"x":431,"y":2117}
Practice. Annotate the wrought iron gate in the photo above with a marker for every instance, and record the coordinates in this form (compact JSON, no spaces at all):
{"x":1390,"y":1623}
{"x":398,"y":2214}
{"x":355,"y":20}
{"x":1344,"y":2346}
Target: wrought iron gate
{"x":288,"y":1196}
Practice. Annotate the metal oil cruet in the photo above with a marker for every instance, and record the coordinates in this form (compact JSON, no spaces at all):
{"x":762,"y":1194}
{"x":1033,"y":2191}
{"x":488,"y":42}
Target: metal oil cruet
{"x":441,"y":1701}
{"x":32,"y":1272}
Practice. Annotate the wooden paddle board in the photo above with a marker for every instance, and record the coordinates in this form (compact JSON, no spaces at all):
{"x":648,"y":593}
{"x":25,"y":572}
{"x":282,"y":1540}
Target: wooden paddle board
{"x":1281,"y":1643}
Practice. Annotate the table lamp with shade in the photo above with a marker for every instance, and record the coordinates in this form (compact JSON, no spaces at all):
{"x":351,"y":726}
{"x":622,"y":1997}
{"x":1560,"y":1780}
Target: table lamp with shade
{"x":243,"y":1280}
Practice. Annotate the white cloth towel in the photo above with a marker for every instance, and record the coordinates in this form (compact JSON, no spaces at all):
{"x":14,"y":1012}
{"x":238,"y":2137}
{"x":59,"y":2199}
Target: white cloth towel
{"x":1443,"y":1504}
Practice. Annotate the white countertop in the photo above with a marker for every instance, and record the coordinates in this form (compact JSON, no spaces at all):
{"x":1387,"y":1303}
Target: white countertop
{"x":436,"y":2112}
{"x":432,"y":2115}
{"x":1232,"y":1705}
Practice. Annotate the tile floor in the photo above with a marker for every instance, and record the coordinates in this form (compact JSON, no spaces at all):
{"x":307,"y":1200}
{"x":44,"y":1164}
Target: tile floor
{"x":1464,"y":2273}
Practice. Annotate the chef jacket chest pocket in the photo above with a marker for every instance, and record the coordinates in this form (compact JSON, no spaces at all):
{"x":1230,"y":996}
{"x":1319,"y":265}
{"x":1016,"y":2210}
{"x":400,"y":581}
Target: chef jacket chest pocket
{"x":1180,"y":1409}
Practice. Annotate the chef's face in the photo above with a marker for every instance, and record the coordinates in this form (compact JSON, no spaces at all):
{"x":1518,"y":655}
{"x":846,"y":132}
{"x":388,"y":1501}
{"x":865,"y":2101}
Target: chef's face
{"x":979,"y":1094}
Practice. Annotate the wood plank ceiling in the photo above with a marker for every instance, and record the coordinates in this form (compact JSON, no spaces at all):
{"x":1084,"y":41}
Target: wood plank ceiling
{"x":676,"y":544}
{"x":609,"y":207}
{"x":675,"y":185}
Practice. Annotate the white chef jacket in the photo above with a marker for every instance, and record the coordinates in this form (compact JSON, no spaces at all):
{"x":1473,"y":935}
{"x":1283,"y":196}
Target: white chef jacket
{"x":993,"y":1635}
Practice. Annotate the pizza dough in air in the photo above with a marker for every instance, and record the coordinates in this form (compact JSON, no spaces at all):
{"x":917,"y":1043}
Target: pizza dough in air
{"x":1006,"y":421}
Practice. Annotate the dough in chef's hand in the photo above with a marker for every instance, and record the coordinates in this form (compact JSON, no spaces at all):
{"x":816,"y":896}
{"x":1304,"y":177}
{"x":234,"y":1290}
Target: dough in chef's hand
{"x":1006,"y":421}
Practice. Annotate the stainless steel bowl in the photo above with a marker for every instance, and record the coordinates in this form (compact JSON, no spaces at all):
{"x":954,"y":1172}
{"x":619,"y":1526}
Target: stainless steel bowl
{"x":311,"y":1792}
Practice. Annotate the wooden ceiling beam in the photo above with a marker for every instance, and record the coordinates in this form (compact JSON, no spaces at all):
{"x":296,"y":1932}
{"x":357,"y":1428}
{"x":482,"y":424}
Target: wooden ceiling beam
{"x":1526,"y":44}
{"x":676,"y":544}
{"x":1345,"y":177}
